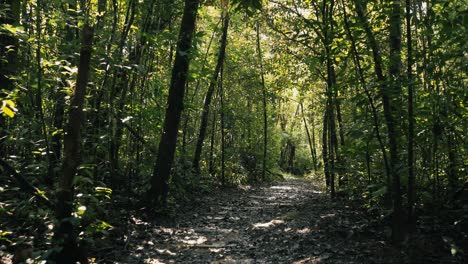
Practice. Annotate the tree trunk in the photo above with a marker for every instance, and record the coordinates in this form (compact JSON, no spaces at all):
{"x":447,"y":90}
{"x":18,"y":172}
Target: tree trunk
{"x":308,"y":138}
{"x":264,"y":101}
{"x":340,"y":121}
{"x":59,"y":110}
{"x":49,"y":176}
{"x":66,"y":234}
{"x":209,"y":95}
{"x":187,"y":115}
{"x":167,"y":144}
{"x":314,"y":149}
{"x":223,"y":134}
{"x":391,"y":115}
{"x":411,"y":176}
{"x":212,"y":142}
{"x":118,"y":95}
{"x":333,"y":147}
{"x":326,"y":165}
{"x":357,"y":62}
{"x":378,"y":69}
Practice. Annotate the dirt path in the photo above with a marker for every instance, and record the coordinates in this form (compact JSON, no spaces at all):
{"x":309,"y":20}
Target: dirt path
{"x":286,"y":222}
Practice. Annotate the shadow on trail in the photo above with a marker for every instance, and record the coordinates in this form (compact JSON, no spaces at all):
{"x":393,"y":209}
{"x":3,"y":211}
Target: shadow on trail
{"x":290,"y":221}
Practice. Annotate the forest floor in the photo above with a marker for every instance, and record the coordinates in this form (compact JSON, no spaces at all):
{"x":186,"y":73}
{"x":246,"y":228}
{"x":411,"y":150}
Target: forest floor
{"x":290,"y":221}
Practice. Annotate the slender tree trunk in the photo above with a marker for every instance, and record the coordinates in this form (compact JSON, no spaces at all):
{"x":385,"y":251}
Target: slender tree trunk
{"x":411,"y":177}
{"x":187,"y":115}
{"x":340,"y":121}
{"x":357,"y":62}
{"x":119,"y":90}
{"x":314,"y":149}
{"x":368,"y":164}
{"x":162,"y":169}
{"x":59,"y":110}
{"x":264,"y":101}
{"x":378,"y":69}
{"x":326,"y":165}
{"x":209,"y":95}
{"x":393,"y":92}
{"x":451,"y":168}
{"x":66,"y":234}
{"x":331,"y":144}
{"x":223,"y":132}
{"x":212,"y":142}
{"x":333,"y":153}
{"x":49,"y":177}
{"x":308,"y":137}
{"x":205,"y":59}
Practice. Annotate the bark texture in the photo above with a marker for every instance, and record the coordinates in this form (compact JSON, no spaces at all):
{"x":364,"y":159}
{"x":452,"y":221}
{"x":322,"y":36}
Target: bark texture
{"x":175,"y":104}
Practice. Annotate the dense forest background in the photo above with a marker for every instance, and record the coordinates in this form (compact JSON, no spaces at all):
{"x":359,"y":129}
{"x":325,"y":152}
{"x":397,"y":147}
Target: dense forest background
{"x":114,"y":104}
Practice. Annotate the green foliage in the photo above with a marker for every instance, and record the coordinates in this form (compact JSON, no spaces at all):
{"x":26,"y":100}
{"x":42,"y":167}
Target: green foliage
{"x":8,"y":108}
{"x":249,"y":6}
{"x":125,"y":106}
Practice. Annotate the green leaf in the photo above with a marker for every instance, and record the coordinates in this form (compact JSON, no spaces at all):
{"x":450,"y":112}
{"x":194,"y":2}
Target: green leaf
{"x":8,"y":108}
{"x":14,"y":30}
{"x":81,"y":210}
{"x":103,"y":191}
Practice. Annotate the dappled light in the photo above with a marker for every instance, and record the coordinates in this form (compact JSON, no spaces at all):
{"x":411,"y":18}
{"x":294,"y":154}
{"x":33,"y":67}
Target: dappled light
{"x":272,"y":223}
{"x":233,"y":131}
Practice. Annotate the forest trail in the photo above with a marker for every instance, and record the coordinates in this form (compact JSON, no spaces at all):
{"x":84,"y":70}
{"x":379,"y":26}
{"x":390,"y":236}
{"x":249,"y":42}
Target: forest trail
{"x":289,"y":221}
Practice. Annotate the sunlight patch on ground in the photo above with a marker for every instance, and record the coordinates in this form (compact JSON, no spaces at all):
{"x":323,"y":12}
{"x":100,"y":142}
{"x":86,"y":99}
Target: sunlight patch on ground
{"x":305,"y":230}
{"x":272,"y":223}
{"x":165,"y":252}
{"x":327,"y":216}
{"x":153,"y":261}
{"x":194,"y":241}
{"x":283,"y":188}
{"x":169,"y":231}
{"x":310,"y":260}
{"x":138,"y":221}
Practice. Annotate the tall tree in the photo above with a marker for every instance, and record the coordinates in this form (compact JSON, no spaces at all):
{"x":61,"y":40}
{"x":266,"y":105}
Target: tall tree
{"x":409,"y":72}
{"x":357,"y":61}
{"x":309,"y":139}
{"x":66,"y":233}
{"x":59,"y":109}
{"x":379,"y":72}
{"x":264,"y":104}
{"x":167,"y":144}
{"x":393,"y":92}
{"x":209,"y":95}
